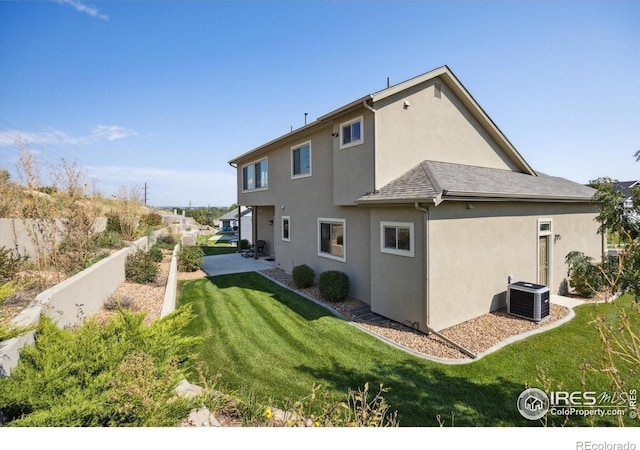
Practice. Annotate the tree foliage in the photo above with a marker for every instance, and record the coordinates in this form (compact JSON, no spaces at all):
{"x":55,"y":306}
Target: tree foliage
{"x":619,"y":272}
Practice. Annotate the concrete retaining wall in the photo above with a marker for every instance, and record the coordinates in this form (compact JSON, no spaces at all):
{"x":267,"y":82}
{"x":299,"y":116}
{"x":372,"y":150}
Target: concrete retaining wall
{"x":70,"y":302}
{"x":171,"y":290}
{"x":22,"y":235}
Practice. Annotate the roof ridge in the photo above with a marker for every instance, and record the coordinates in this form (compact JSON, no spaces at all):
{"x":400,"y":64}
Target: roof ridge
{"x":430,"y":176}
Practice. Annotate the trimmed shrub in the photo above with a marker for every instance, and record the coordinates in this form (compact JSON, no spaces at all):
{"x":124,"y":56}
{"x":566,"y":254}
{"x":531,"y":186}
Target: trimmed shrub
{"x":190,"y":258}
{"x":155,"y":253}
{"x":114,"y":303}
{"x":108,"y":239}
{"x":166,"y":241}
{"x":334,"y":285}
{"x":140,"y":268}
{"x":303,"y":276}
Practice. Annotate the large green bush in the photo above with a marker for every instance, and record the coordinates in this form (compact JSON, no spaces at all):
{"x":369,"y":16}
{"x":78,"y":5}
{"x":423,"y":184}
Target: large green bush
{"x":334,"y":285}
{"x":584,"y":276}
{"x":140,"y":267}
{"x":122,"y":373}
{"x":190,"y":258}
{"x":303,"y":276}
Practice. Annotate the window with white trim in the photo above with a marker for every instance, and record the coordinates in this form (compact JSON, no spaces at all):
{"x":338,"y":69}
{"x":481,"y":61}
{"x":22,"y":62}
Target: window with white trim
{"x":397,"y":238}
{"x":286,"y":224}
{"x":351,"y":133}
{"x":301,"y":160}
{"x":255,"y":176}
{"x":332,"y":239}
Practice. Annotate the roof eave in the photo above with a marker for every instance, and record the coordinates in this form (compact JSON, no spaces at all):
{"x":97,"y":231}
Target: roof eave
{"x":475,"y":196}
{"x":318,"y":122}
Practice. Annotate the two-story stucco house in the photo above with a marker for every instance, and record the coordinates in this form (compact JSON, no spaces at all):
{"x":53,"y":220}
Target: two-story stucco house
{"x":416,"y":194}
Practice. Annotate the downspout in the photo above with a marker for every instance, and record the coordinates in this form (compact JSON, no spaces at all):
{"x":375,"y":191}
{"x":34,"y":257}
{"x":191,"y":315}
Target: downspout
{"x":426,"y":310}
{"x":425,"y":286}
{"x":239,"y":215}
{"x":239,"y":229}
{"x":375,"y":140}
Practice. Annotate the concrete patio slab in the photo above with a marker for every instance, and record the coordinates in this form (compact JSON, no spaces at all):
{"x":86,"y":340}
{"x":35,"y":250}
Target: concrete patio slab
{"x":232,"y":263}
{"x":565,"y":301}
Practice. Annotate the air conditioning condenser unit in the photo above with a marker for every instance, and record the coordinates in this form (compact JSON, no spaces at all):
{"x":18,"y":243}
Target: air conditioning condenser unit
{"x":528,"y":300}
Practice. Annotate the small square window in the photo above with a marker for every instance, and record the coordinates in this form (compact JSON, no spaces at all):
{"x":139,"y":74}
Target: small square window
{"x":397,"y":238}
{"x":351,"y":133}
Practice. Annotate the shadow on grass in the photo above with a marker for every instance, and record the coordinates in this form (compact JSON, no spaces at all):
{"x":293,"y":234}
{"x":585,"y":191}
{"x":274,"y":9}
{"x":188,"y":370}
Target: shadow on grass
{"x":421,"y":395}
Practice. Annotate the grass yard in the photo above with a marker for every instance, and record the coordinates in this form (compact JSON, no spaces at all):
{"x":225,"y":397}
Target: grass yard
{"x":267,"y":341}
{"x":212,"y":248}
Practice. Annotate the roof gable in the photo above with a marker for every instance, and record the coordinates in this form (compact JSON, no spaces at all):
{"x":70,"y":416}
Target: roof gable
{"x":447,"y":76}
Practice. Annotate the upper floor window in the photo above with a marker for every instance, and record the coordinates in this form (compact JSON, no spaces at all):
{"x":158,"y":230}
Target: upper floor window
{"x":255,"y":176}
{"x":351,"y":133}
{"x":301,"y":160}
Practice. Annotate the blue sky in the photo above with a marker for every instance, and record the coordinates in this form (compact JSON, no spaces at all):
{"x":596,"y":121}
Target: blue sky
{"x":166,"y":92}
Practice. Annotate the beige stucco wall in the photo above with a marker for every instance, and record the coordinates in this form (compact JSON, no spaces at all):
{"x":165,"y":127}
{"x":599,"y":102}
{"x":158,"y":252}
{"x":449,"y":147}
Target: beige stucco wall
{"x":305,"y":200}
{"x":430,"y":128}
{"x":353,"y":167}
{"x":397,"y":281}
{"x":472,"y":252}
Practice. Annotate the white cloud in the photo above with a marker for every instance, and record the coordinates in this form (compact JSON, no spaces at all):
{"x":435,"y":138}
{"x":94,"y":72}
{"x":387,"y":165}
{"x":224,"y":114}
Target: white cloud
{"x":169,"y":187}
{"x":52,"y":136}
{"x":80,"y":6}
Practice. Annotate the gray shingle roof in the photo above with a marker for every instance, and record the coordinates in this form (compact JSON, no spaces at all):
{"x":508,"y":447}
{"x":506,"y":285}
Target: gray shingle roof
{"x":431,"y":179}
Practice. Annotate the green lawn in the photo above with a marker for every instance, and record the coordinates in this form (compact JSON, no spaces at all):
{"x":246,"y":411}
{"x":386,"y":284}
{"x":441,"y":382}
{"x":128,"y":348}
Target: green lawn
{"x":268,"y":340}
{"x":212,"y":248}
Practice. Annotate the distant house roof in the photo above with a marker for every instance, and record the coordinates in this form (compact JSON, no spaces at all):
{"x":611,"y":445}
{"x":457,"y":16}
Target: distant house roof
{"x":233,"y":214}
{"x":625,"y":187}
{"x":438,"y":181}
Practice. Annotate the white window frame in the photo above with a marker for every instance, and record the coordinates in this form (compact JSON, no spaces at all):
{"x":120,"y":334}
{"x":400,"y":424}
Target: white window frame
{"x":342,"y":222}
{"x":397,"y":251}
{"x":253,"y":163}
{"x":288,"y":219}
{"x":301,"y":175}
{"x":349,"y":123}
{"x":541,"y":233}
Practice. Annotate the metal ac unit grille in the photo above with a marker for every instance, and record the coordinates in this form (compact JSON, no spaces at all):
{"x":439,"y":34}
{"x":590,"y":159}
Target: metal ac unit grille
{"x":528,"y":300}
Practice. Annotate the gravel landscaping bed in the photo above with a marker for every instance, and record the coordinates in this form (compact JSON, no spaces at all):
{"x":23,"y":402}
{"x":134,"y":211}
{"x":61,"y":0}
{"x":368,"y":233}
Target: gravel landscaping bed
{"x":476,"y":335}
{"x":148,"y":298}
